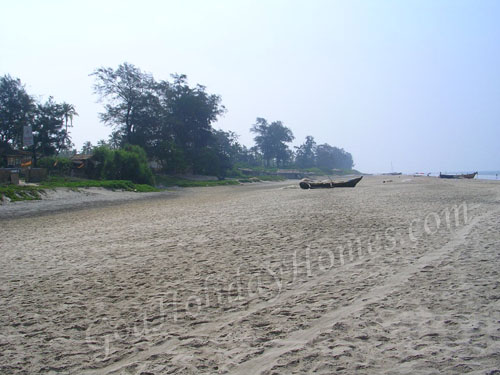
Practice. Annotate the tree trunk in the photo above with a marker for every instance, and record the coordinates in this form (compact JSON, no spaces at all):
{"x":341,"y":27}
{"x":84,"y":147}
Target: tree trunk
{"x":34,"y":157}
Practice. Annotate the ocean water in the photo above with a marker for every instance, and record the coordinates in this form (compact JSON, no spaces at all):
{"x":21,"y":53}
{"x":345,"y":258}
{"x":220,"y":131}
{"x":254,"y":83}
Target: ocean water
{"x":488,"y":175}
{"x":482,"y":175}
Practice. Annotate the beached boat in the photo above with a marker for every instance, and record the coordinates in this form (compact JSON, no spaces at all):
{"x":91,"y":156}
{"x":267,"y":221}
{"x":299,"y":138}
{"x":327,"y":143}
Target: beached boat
{"x":310,"y":184}
{"x":470,"y":175}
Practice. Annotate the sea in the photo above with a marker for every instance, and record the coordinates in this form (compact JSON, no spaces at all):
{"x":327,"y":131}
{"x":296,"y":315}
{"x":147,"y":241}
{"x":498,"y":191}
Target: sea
{"x":481,"y":175}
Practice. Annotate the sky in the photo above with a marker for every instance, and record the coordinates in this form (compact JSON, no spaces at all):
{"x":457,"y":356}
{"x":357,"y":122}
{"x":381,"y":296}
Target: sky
{"x":410,"y":86}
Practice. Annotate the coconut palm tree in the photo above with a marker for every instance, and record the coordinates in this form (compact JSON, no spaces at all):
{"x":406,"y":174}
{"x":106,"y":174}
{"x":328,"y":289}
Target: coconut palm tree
{"x":68,"y":113}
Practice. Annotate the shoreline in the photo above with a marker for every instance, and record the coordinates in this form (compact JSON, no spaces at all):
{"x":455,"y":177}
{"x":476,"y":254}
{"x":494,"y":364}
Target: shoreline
{"x":66,"y":199}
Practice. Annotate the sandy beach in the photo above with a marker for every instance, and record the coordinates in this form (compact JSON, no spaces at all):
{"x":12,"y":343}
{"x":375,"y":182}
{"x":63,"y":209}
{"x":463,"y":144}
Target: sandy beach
{"x":399,"y":277}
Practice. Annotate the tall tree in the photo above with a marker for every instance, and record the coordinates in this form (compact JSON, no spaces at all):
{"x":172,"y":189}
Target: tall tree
{"x":329,"y":157}
{"x":49,"y":120}
{"x":272,"y":139}
{"x":226,"y":148}
{"x":124,"y":92}
{"x":185,"y":122}
{"x":69,"y":112}
{"x":87,"y":148}
{"x":190,"y":113}
{"x":115,"y":140}
{"x":49,"y":134}
{"x":16,"y":110}
{"x":305,"y":156}
{"x":170,"y":120}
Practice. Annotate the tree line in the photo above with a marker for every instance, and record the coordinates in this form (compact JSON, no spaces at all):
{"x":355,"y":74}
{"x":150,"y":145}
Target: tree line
{"x":50,"y":121}
{"x":169,"y":119}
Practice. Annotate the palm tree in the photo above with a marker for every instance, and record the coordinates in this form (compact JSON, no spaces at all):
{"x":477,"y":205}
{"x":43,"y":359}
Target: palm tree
{"x":68,"y":113}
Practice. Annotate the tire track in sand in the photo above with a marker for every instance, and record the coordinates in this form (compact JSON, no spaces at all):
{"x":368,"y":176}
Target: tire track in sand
{"x":168,"y":346}
{"x":298,"y":339}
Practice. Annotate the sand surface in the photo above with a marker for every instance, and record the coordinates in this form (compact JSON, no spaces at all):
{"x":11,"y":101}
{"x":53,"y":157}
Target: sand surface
{"x":394,"y":278}
{"x":61,"y":199}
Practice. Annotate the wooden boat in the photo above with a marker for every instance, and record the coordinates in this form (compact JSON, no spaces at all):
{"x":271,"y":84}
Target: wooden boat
{"x":458,"y":176}
{"x":310,"y":184}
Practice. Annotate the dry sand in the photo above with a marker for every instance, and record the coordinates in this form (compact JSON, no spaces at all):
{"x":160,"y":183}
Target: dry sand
{"x":257,"y":279}
{"x":60,"y":199}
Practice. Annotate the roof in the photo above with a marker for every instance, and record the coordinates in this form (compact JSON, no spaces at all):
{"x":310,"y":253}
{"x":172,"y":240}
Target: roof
{"x":289,"y":171}
{"x":10,"y":152}
{"x":81,"y":157}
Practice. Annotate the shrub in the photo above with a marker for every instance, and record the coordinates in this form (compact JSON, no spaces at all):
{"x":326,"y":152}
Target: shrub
{"x":56,"y":166}
{"x":129,"y":163}
{"x":99,"y":157}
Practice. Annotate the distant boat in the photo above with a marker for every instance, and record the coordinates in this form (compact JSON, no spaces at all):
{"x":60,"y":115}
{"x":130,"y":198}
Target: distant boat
{"x":310,"y":184}
{"x":392,"y":172}
{"x":458,"y":176}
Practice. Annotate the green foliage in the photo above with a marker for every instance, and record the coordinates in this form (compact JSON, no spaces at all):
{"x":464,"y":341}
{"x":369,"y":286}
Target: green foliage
{"x":171,"y":121}
{"x":270,"y":178}
{"x":211,"y":162}
{"x":21,"y":193}
{"x":18,"y":193}
{"x":305,"y":156}
{"x":100,"y":155}
{"x":87,"y":148}
{"x":258,"y":169}
{"x":56,"y":166}
{"x":235,"y":173}
{"x":261,"y":179}
{"x":124,"y":91}
{"x":129,"y":163}
{"x":16,"y":110}
{"x":316,"y":170}
{"x":191,"y":112}
{"x":328,"y":157}
{"x":223,"y":151}
{"x":49,"y":121}
{"x":172,"y":157}
{"x":168,"y":181}
{"x":271,"y":140}
{"x":75,"y":183}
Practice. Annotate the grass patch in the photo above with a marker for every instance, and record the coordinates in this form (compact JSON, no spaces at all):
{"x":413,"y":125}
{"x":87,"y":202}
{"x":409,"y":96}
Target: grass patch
{"x":261,"y":178}
{"x":167,"y":181}
{"x":271,"y":178}
{"x":257,"y":169}
{"x":73,"y":183}
{"x":18,"y":193}
{"x":182,"y":182}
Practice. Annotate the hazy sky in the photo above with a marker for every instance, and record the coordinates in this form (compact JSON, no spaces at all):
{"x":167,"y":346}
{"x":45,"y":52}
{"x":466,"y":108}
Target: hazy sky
{"x":415,"y":83}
